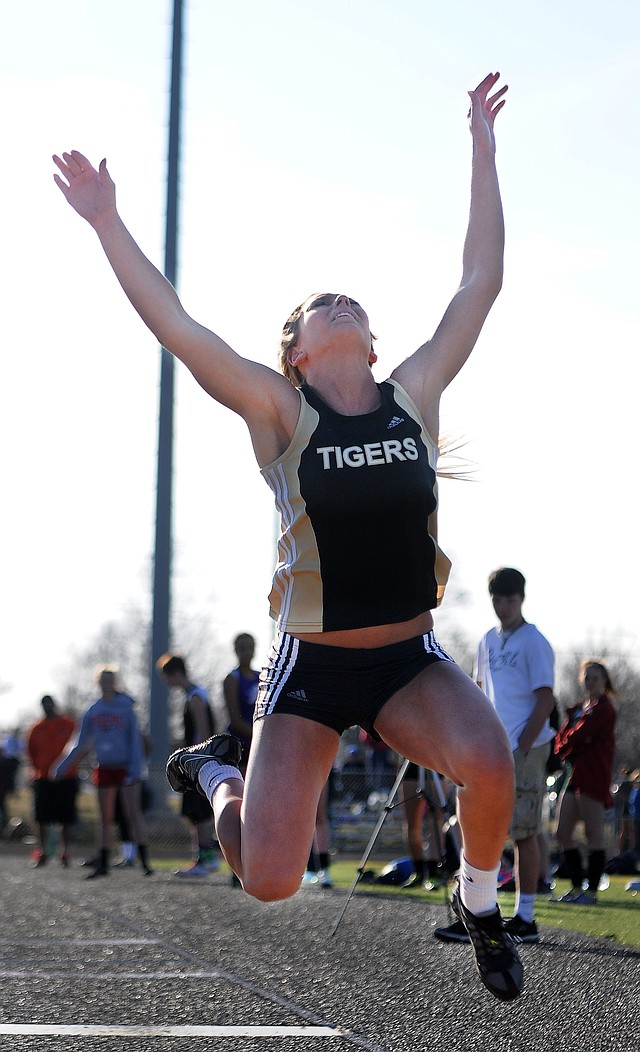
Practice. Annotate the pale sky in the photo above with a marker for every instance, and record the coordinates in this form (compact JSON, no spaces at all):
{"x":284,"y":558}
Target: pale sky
{"x":324,"y":146}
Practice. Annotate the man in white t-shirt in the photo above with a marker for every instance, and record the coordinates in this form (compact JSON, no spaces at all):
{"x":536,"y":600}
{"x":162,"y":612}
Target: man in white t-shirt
{"x":515,"y":668}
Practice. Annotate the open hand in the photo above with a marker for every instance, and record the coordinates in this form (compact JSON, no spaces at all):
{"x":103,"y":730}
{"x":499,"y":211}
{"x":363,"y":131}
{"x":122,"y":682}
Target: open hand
{"x":483,"y":111}
{"x":91,"y":193}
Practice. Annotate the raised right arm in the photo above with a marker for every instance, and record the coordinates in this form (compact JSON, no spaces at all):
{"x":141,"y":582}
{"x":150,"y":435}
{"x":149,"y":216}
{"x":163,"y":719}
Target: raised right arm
{"x":262,"y":396}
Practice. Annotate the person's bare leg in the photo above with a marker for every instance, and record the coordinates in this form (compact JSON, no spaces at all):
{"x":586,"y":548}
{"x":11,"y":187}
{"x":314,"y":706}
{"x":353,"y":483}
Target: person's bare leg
{"x":413,"y":807}
{"x":43,"y":836}
{"x":65,"y":834}
{"x":265,"y":829}
{"x":568,"y":818}
{"x":107,"y":803}
{"x":323,"y":829}
{"x":132,"y":806}
{"x":441,"y":720}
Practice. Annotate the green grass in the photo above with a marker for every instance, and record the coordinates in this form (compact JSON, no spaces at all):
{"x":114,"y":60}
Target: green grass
{"x":616,"y":915}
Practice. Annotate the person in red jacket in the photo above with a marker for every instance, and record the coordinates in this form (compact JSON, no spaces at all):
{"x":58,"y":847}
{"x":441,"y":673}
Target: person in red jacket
{"x":586,"y":742}
{"x":54,"y":802}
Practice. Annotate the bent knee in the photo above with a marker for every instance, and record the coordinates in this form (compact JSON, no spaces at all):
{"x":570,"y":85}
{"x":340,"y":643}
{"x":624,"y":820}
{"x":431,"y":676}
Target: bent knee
{"x":270,"y":887}
{"x":491,"y":765}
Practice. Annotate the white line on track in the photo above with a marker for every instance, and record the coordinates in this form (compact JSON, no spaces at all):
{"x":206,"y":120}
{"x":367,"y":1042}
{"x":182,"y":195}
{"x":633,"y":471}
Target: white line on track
{"x":106,"y":976}
{"x":313,"y":1025}
{"x":35,"y":941}
{"x":90,"y":1030}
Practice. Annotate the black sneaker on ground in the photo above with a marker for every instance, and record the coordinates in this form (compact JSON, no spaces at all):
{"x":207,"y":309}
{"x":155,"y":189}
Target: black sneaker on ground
{"x":455,"y":932}
{"x":184,"y":765}
{"x":497,"y":959}
{"x":99,"y":871}
{"x":522,"y":930}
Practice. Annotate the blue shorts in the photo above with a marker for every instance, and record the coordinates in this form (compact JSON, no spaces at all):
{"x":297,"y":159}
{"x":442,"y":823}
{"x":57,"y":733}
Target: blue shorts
{"x":340,"y":687}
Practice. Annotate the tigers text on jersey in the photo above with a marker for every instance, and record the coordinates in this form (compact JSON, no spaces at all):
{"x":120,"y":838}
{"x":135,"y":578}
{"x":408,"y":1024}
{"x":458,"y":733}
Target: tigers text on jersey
{"x":357,"y":499}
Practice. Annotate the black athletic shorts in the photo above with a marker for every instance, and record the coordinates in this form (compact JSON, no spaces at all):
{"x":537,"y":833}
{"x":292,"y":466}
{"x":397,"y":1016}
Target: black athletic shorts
{"x":340,"y":687}
{"x":55,"y":802}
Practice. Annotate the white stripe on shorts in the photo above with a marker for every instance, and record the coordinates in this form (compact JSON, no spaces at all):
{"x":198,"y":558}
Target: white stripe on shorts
{"x":286,"y":648}
{"x":432,"y":646}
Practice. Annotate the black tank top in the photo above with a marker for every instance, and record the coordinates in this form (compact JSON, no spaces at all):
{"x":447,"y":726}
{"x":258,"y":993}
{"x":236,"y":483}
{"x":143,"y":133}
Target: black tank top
{"x":357,"y":497}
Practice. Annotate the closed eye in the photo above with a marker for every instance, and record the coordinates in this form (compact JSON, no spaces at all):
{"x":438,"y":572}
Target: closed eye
{"x":327,"y":300}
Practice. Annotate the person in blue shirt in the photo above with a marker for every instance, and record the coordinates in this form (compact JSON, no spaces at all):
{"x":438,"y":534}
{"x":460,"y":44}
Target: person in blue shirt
{"x":110,"y":730}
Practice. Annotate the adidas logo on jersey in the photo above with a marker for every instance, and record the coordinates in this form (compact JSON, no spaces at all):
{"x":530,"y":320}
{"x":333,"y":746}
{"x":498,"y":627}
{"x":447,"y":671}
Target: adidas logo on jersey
{"x":297,"y":695}
{"x":395,"y":420}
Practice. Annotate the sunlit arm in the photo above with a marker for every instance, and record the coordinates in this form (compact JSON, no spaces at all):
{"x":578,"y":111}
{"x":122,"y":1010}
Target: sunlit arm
{"x":223,"y":374}
{"x":429,"y":371}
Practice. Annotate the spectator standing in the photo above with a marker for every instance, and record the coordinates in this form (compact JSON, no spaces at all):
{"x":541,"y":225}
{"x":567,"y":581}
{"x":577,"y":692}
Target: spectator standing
{"x":240,"y":691}
{"x":586,"y":743}
{"x":422,"y":823}
{"x":110,"y":729}
{"x":54,"y":801}
{"x":515,"y":668}
{"x":198,"y":723}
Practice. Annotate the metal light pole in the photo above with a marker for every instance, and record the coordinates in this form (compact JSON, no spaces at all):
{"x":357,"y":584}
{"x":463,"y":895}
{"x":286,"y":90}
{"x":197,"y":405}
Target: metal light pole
{"x":160,"y":633}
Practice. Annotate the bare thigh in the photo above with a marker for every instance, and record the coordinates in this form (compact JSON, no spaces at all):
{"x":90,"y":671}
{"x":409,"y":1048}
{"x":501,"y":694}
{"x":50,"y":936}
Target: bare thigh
{"x":568,"y":817}
{"x":289,"y":764}
{"x":130,"y":796}
{"x":593,"y":818}
{"x":442,"y":721}
{"x":107,"y":804}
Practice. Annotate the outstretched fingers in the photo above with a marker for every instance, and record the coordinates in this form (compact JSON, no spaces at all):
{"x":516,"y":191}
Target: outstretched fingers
{"x":72,"y":165}
{"x":90,"y":191}
{"x":495,"y":103}
{"x":485,"y":86}
{"x":487,"y":106}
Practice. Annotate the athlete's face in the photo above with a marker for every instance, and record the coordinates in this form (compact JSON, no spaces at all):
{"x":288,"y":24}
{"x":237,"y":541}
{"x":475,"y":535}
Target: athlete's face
{"x":327,"y":318}
{"x":508,"y":610}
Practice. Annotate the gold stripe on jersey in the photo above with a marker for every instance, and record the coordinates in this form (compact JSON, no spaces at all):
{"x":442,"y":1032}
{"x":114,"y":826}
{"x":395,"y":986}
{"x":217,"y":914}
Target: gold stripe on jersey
{"x":300,"y":609}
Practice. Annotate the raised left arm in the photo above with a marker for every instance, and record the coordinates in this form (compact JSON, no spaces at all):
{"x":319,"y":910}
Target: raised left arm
{"x":428,"y":372}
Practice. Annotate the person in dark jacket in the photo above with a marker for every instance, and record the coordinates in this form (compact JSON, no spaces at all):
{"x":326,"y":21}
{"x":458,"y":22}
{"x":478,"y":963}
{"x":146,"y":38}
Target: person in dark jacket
{"x":586,"y":743}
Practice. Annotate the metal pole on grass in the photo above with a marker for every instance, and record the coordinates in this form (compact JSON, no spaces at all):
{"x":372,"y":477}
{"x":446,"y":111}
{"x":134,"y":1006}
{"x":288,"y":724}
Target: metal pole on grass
{"x":161,"y":618}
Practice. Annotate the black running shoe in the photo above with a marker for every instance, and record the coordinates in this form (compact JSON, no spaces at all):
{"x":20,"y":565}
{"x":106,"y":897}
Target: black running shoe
{"x":455,"y":932}
{"x":497,"y":961}
{"x":184,"y":765}
{"x":99,"y":871}
{"x":522,"y":930}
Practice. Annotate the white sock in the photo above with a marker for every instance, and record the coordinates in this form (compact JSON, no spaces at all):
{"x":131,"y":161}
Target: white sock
{"x":524,"y":907}
{"x":213,"y":773}
{"x":478,"y":888}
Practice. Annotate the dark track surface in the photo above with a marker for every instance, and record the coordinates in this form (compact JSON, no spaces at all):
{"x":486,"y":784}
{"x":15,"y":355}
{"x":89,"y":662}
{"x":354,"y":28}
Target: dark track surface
{"x":159,"y":952}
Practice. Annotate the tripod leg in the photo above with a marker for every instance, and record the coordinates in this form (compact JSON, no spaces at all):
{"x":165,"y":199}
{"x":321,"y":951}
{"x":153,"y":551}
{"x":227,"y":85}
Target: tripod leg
{"x":374,"y":836}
